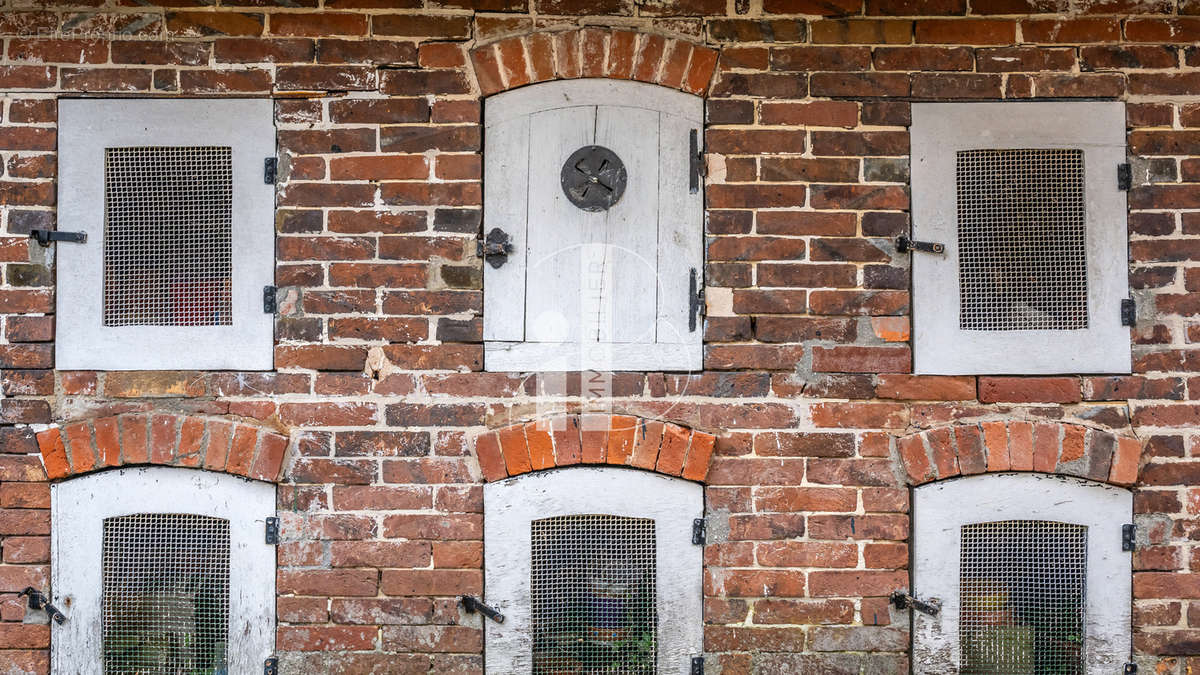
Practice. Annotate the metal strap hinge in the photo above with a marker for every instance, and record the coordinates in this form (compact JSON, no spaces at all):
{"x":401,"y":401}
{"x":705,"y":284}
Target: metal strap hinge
{"x":271,"y":666}
{"x":269,"y":300}
{"x":270,"y":170}
{"x":1130,"y":669}
{"x":697,"y":665}
{"x":1124,"y":177}
{"x":272,"y":532}
{"x":695,"y":300}
{"x":1128,"y":312}
{"x":45,"y":237}
{"x":695,"y":161}
{"x":1128,"y":537}
{"x":698,"y":531}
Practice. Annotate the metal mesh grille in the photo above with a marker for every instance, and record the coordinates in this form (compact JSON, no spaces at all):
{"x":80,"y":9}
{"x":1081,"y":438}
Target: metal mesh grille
{"x":593,"y":599}
{"x":168,"y":236}
{"x":166,"y":594}
{"x":1022,"y":598}
{"x":1022,"y":261}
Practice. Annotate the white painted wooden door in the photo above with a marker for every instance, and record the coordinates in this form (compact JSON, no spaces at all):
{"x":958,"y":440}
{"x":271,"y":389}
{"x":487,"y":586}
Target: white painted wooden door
{"x":79,"y":507}
{"x":603,"y":290}
{"x":1024,"y":197}
{"x":197,"y":165}
{"x":1001,"y":552}
{"x":512,"y":506}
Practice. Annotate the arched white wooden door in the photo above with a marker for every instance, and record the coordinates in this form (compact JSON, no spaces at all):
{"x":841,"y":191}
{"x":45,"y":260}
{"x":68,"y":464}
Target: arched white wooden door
{"x":594,"y":187}
{"x":1028,"y":571}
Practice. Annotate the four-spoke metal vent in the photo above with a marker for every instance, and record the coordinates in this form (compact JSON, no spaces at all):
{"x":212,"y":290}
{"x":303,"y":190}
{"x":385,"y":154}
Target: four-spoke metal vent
{"x":594,"y":178}
{"x":166,"y":594}
{"x":593,"y":598}
{"x":168,"y":226}
{"x":1021,"y":240}
{"x":1022,"y":598}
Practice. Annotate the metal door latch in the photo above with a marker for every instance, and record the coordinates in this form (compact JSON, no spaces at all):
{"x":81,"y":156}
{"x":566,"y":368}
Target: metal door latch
{"x":496,"y":248}
{"x":38,"y":600}
{"x":903,"y":600}
{"x":472,"y":605}
{"x":45,"y":237}
{"x":906,"y":245}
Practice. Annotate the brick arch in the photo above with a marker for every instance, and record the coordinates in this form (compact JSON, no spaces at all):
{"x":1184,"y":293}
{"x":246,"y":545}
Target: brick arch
{"x":163,"y":439}
{"x":1046,"y":447}
{"x":594,"y":52}
{"x":612,"y":440}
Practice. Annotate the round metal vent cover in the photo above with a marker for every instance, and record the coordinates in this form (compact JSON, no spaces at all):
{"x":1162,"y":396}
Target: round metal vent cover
{"x":593,"y":178}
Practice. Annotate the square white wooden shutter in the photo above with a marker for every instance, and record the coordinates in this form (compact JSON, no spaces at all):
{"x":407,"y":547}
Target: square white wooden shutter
{"x":1027,"y":568}
{"x":611,"y":289}
{"x":531,"y":519}
{"x":172,"y":523}
{"x":180,"y":234}
{"x":1025,"y":199}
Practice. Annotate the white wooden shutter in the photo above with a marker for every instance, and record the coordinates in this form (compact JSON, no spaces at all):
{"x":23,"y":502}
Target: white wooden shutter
{"x":511,"y":507}
{"x":993,"y":598}
{"x":180,"y":234}
{"x":79,"y":507}
{"x":606,"y":290}
{"x":1025,"y":199}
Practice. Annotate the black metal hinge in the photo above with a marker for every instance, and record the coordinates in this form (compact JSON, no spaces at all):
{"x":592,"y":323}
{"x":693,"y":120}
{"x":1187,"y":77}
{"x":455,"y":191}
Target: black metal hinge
{"x":906,"y":245}
{"x":698,"y":531}
{"x":270,"y":170}
{"x":45,"y":237}
{"x":271,"y":666}
{"x":1130,"y":669}
{"x":695,"y":301}
{"x":1128,"y":312}
{"x":1128,"y":537}
{"x":1124,"y":177}
{"x":697,"y":665}
{"x":695,"y":161}
{"x":270,"y":304}
{"x":272,"y":532}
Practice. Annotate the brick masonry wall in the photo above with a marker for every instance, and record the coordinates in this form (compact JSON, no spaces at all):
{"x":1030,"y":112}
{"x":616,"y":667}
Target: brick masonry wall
{"x":807,"y":378}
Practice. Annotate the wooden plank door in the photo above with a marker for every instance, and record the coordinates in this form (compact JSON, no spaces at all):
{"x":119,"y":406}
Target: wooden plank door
{"x":605,"y":289}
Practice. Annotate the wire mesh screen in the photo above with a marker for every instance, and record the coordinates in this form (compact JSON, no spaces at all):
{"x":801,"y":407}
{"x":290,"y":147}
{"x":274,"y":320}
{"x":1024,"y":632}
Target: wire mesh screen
{"x":166,"y":594}
{"x":168,"y":236}
{"x":1022,"y":598}
{"x":1022,"y":261}
{"x":593,"y":595}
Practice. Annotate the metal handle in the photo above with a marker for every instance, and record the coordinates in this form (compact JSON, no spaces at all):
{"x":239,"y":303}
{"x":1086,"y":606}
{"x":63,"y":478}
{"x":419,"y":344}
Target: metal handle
{"x":38,"y":600}
{"x":46,"y":237}
{"x":906,"y":245}
{"x":903,"y":600}
{"x":495,"y":248}
{"x":473,"y":605}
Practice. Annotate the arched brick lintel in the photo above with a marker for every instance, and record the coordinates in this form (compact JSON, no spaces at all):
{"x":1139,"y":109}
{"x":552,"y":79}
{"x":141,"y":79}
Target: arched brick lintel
{"x":1046,"y":447}
{"x":164,"y":439}
{"x":594,"y":52}
{"x":612,"y":440}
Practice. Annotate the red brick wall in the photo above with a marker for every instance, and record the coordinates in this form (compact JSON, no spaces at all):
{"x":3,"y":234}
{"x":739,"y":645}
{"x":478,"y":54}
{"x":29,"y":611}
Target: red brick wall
{"x":806,"y":380}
